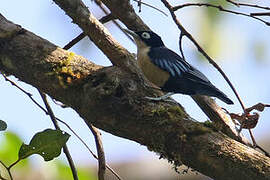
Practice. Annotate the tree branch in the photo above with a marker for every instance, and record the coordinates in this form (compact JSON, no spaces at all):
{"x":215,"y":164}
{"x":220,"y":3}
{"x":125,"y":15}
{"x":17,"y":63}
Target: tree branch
{"x":80,"y":15}
{"x":124,"y":12}
{"x":100,"y":152}
{"x":248,"y":5}
{"x":74,"y":133}
{"x":220,"y":8}
{"x":111,"y":99}
{"x":55,"y":123}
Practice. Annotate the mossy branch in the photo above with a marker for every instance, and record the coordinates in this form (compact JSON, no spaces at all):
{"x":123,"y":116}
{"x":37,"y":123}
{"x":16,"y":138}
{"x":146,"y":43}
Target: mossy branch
{"x":111,"y":99}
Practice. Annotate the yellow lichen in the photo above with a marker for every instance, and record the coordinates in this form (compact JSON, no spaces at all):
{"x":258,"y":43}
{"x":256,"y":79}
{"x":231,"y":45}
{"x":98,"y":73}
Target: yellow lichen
{"x":69,"y":59}
{"x":64,"y":71}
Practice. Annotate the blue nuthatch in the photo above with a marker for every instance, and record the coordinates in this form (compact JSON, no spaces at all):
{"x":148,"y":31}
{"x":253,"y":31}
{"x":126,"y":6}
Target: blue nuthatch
{"x":169,"y":71}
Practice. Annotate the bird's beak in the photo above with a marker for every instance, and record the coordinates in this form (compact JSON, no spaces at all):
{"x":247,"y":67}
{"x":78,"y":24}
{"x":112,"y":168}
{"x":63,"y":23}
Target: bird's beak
{"x":133,"y":34}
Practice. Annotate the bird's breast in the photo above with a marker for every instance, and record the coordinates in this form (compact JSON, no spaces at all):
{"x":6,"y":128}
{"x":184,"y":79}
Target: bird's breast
{"x":153,"y":73}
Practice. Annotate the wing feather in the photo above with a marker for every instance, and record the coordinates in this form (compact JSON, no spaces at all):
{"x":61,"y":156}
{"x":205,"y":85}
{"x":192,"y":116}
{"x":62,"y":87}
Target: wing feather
{"x":171,"y":62}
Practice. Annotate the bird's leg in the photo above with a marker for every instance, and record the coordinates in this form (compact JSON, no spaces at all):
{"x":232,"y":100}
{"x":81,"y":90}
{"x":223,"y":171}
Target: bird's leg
{"x":164,"y":97}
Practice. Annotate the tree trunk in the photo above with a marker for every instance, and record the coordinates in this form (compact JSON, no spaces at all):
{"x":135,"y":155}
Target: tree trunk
{"x":112,"y":99}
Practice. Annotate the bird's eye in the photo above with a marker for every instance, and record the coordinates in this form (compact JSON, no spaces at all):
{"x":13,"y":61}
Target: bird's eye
{"x":145,"y":35}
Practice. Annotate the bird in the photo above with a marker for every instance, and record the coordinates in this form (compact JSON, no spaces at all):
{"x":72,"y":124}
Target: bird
{"x":169,"y":71}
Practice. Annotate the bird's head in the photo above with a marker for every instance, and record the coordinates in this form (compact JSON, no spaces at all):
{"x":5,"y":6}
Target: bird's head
{"x":146,"y":38}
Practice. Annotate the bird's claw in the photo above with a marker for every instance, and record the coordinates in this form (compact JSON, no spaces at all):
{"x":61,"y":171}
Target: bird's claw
{"x":163,"y":98}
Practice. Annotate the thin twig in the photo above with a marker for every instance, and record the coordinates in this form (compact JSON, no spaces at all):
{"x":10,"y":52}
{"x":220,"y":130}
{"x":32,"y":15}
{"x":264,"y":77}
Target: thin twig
{"x":200,"y":49}
{"x":65,"y":148}
{"x":149,"y":5}
{"x":259,"y":107}
{"x":264,"y":151}
{"x":140,"y":5}
{"x":219,"y":8}
{"x":211,"y":61}
{"x":100,"y":151}
{"x":63,"y":122}
{"x":184,"y":32}
{"x":13,"y":164}
{"x":27,"y":93}
{"x":113,"y":20}
{"x":74,"y":41}
{"x":260,"y":14}
{"x":255,"y":145}
{"x":107,"y":18}
{"x":180,"y":45}
{"x":87,"y":147}
{"x":248,"y":5}
{"x":101,"y":156}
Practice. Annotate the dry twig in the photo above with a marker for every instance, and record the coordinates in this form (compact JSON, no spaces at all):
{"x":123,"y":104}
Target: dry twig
{"x":149,"y":5}
{"x":200,"y":49}
{"x":249,"y":121}
{"x":248,"y":5}
{"x":252,"y":119}
{"x":220,"y":8}
{"x":65,"y":148}
{"x":100,"y":151}
{"x":113,"y":19}
{"x":63,"y":122}
{"x":74,"y":41}
{"x":260,"y":14}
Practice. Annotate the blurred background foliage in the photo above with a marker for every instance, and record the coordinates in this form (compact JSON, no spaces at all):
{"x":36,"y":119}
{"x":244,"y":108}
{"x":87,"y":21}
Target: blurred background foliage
{"x":239,"y":44}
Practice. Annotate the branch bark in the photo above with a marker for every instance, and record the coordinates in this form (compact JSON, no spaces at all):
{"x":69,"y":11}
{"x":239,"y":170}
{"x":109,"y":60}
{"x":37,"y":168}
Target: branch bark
{"x":122,"y":10}
{"x":120,"y":57}
{"x":111,"y":99}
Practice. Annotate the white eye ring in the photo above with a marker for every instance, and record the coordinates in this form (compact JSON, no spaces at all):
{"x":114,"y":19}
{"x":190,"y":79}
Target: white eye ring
{"x":146,"y":35}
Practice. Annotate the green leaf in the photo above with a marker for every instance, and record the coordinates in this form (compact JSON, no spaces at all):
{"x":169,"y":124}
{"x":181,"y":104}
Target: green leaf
{"x":47,"y":143}
{"x":3,"y":125}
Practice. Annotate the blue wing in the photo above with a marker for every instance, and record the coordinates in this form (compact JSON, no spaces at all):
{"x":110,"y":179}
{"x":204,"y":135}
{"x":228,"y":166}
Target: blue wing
{"x":171,"y":62}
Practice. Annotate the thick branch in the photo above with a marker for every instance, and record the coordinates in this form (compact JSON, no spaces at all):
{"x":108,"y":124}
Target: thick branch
{"x":120,"y":57}
{"x":210,"y":108}
{"x":126,"y":14}
{"x":97,"y":33}
{"x":110,"y":99}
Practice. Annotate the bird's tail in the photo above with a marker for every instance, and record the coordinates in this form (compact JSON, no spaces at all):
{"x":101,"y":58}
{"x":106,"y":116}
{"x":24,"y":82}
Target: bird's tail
{"x":220,"y":95}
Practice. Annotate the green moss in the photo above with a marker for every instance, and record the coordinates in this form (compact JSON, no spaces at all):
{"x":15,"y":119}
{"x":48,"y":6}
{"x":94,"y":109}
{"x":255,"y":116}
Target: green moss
{"x":177,"y":110}
{"x":213,"y":125}
{"x":198,"y":129}
{"x":159,"y":112}
{"x":171,"y":112}
{"x":208,"y":123}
